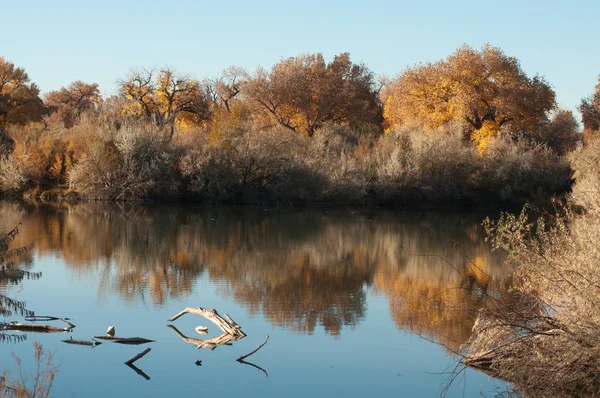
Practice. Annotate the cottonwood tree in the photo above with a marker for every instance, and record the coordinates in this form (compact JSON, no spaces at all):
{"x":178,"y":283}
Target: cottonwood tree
{"x":19,"y":98}
{"x":590,"y":113}
{"x":165,"y":97}
{"x":483,"y":90}
{"x":223,"y":89}
{"x":303,"y":93}
{"x":71,"y":101}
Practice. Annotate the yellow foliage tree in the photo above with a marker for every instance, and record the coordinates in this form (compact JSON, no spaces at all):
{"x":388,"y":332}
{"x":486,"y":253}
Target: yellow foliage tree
{"x":482,"y":90}
{"x":166,"y":98}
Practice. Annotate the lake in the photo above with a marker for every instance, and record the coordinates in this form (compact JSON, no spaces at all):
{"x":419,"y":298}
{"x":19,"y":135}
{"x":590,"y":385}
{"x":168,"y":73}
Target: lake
{"x":357,"y":303}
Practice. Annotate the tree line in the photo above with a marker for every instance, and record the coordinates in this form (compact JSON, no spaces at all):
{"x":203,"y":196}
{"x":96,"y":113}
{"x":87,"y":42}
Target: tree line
{"x":306,"y":130}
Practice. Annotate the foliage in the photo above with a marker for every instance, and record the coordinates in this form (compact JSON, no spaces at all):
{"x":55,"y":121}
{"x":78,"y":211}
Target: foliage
{"x":11,"y":273}
{"x":19,"y":98}
{"x":165,"y":98}
{"x":303,"y":93}
{"x":481,"y":90}
{"x":70,"y":102}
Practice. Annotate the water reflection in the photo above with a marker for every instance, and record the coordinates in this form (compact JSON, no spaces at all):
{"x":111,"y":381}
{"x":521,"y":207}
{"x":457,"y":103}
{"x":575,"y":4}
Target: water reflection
{"x":301,"y":270}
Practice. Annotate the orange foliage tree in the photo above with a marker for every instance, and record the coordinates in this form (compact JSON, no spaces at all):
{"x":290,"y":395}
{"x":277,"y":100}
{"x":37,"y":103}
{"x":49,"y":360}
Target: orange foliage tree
{"x":19,"y":98}
{"x":165,"y":98}
{"x":303,"y":93}
{"x":482,"y":90}
{"x":70,"y":102}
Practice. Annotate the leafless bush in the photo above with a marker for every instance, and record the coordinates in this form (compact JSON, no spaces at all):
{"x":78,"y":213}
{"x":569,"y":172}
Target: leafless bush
{"x":518,"y":171}
{"x":548,"y":345}
{"x":38,"y":385}
{"x":133,"y":163}
{"x":414,"y":164}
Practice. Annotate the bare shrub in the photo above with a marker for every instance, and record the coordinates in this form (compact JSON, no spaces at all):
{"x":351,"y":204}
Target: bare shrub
{"x":38,"y":385}
{"x":414,"y":164}
{"x":133,"y":163}
{"x":548,"y":345}
{"x":515,"y":170}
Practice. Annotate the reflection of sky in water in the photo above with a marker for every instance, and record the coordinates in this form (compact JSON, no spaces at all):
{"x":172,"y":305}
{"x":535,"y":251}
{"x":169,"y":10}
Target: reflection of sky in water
{"x":369,"y":356}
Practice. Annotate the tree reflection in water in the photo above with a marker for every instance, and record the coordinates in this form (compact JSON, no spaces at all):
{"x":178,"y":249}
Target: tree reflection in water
{"x":302,"y":270}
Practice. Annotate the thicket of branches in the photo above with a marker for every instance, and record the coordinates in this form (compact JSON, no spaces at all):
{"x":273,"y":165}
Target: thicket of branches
{"x":548,"y":345}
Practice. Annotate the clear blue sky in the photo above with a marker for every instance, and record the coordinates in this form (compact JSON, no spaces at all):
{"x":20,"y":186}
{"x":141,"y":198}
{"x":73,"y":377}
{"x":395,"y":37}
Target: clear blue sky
{"x":61,"y":41}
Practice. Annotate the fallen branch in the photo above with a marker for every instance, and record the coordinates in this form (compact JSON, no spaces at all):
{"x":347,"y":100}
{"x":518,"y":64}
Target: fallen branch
{"x":82,"y":342}
{"x":211,"y":344}
{"x":32,"y":327}
{"x":138,"y":356}
{"x":46,"y":318}
{"x":256,"y":349}
{"x":125,"y":340}
{"x":227,"y":325}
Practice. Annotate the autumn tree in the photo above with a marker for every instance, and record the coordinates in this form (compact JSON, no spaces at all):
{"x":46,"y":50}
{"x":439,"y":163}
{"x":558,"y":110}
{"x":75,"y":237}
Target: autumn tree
{"x":226,"y":87}
{"x":590,"y":113}
{"x":70,"y":102}
{"x":561,"y":133}
{"x":302,"y":93}
{"x":19,"y":98}
{"x":165,"y":98}
{"x":482,"y":90}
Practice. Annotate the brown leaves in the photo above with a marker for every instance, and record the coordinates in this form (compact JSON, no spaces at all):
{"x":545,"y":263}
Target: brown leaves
{"x":303,"y":93}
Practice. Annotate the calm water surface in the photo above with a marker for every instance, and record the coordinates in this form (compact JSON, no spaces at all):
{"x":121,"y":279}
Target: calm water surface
{"x":357,"y":303}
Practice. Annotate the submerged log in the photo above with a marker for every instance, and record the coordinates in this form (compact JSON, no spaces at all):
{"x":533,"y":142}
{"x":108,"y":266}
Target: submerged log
{"x":46,"y":318}
{"x":82,"y":342}
{"x":211,"y":344}
{"x":227,"y":325}
{"x":33,"y":327}
{"x":125,"y":340}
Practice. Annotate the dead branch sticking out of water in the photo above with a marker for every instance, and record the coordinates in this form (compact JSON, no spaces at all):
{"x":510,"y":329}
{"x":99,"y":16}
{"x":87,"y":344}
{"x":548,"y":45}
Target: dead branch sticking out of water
{"x":241,"y":358}
{"x":135,"y":368}
{"x":211,"y":344}
{"x":226,"y":324}
{"x":138,"y":356}
{"x":253,"y":351}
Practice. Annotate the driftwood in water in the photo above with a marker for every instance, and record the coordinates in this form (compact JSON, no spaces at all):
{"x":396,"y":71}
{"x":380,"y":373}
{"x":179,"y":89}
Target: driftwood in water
{"x":138,"y":356}
{"x":138,"y":371}
{"x":241,"y":359}
{"x":211,"y":344}
{"x":125,"y":340}
{"x":82,"y":342}
{"x":46,"y":318}
{"x":135,"y":368}
{"x":33,"y":327}
{"x":253,"y":351}
{"x":226,"y":324}
{"x":254,"y":366}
